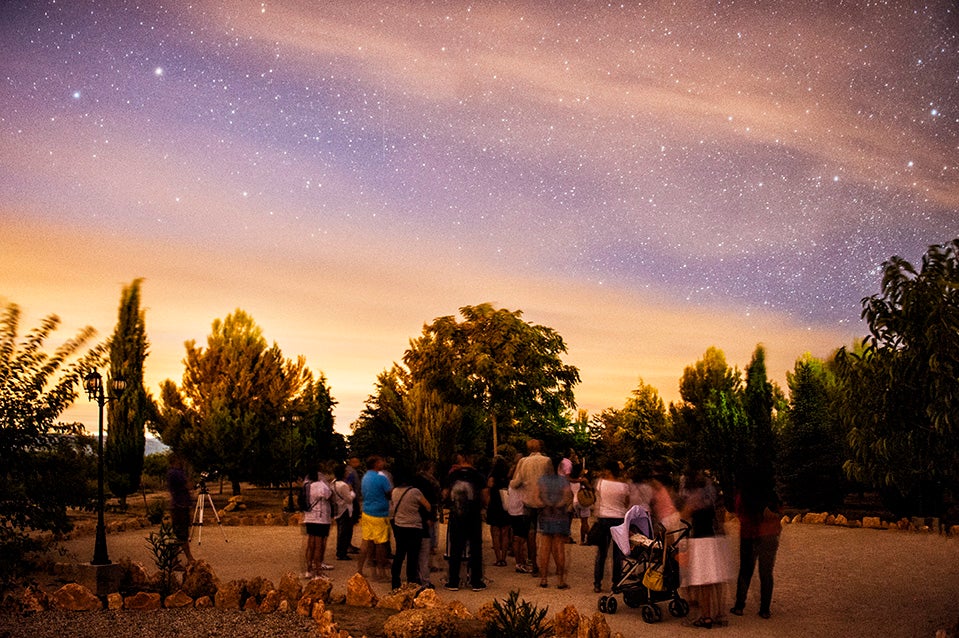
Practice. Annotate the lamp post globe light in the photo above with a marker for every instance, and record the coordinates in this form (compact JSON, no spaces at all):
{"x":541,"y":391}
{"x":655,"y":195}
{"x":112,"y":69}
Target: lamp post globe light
{"x":93,"y":383}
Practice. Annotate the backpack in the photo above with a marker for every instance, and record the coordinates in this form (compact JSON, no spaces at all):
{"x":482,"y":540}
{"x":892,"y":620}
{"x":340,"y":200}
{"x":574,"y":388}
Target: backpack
{"x":586,"y":496}
{"x":462,"y":497}
{"x":303,"y":498}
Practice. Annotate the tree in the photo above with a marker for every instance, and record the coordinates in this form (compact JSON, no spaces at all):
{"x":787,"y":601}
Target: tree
{"x":37,"y":451}
{"x":901,"y":395}
{"x":811,"y":450}
{"x":711,"y":417}
{"x":495,"y":363}
{"x":640,"y":434}
{"x":758,"y":445}
{"x":131,"y":409}
{"x":226,"y":416}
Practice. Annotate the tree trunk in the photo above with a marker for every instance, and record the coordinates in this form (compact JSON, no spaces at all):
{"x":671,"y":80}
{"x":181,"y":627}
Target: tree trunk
{"x":236,"y":487}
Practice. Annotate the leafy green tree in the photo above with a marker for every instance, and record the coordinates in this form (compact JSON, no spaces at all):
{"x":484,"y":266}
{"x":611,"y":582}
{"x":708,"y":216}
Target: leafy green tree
{"x":37,"y":451}
{"x":380,"y":428}
{"x":227,"y":414}
{"x":711,"y":417}
{"x":901,"y":396}
{"x":497,"y":365}
{"x":640,"y":434}
{"x":758,"y":445}
{"x":811,"y":450}
{"x":129,"y":411}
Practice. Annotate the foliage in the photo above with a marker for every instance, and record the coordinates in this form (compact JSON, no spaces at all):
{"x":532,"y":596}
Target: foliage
{"x":900,"y":396}
{"x":811,"y":449}
{"x":711,"y":418}
{"x":157,"y":464}
{"x":129,"y":410}
{"x":496,"y":366}
{"x":758,"y":445}
{"x":640,"y":434}
{"x":37,"y":452}
{"x":514,"y":619}
{"x":155,"y":510}
{"x":166,"y":550}
{"x":228,"y":415}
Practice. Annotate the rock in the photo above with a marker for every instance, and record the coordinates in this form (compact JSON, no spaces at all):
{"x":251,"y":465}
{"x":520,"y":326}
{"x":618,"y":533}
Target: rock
{"x":830,"y":520}
{"x":325,"y":626}
{"x":115,"y":601}
{"x":259,"y":587}
{"x":954,"y":530}
{"x":359,"y":593}
{"x":177,"y":600}
{"x":458,"y":610}
{"x":566,"y":622}
{"x":317,"y":610}
{"x":74,"y":597}
{"x":250,"y":604}
{"x":871,"y":522}
{"x":283,"y":607}
{"x":416,"y":623}
{"x":785,"y":520}
{"x":427,"y":599}
{"x":599,"y":628}
{"x":142,"y":601}
{"x":797,"y":518}
{"x":318,"y":589}
{"x":200,"y":580}
{"x":229,"y":596}
{"x":841,"y":520}
{"x":34,"y":600}
{"x":204,"y":602}
{"x":814,"y":518}
{"x":270,"y":602}
{"x":486,"y":612}
{"x":135,"y":576}
{"x":399,"y":599}
{"x":290,"y":588}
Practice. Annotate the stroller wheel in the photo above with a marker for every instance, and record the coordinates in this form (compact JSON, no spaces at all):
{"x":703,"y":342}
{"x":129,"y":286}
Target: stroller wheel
{"x":649,"y":613}
{"x":602,"y":603}
{"x":611,"y":605}
{"x":678,"y":608}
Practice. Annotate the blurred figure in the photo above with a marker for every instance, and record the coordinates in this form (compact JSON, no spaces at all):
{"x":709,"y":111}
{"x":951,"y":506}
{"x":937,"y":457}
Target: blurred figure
{"x":557,"y":498}
{"x":612,"y":502}
{"x":496,"y":516}
{"x":374,"y":521}
{"x":525,"y":480}
{"x":181,"y":503}
{"x":406,"y":504}
{"x":467,"y":494}
{"x":578,"y":481}
{"x":759,"y":514}
{"x":317,"y":519}
{"x":708,"y":564}
{"x":425,"y":480}
{"x":344,"y":497}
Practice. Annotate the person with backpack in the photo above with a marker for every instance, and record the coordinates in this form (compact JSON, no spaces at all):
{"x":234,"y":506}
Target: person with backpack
{"x":467,"y":494}
{"x":317,"y":516}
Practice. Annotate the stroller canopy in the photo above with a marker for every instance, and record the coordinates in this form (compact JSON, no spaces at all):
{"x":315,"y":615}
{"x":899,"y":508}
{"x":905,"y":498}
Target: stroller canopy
{"x":638,"y":517}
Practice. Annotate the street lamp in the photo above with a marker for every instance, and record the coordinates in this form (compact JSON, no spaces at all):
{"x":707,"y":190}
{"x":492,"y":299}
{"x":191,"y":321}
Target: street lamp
{"x":93,"y":383}
{"x":290,"y":506}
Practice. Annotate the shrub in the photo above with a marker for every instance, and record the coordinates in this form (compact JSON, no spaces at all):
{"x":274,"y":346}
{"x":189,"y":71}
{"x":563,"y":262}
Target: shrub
{"x":166,"y":551}
{"x":156,"y":508}
{"x":514,"y":619}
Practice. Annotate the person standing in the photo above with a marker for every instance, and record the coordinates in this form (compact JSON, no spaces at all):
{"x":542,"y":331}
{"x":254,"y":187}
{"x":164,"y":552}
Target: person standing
{"x":554,"y":524}
{"x":181,"y":502}
{"x":760,"y":526}
{"x":496,"y":516}
{"x":467,"y":494}
{"x":317,"y":518}
{"x":612,"y":501}
{"x":526,"y":480}
{"x":406,"y":506}
{"x":374,"y":522}
{"x":354,"y":478}
{"x":708,"y":567}
{"x":425,"y":481}
{"x":343,"y":497}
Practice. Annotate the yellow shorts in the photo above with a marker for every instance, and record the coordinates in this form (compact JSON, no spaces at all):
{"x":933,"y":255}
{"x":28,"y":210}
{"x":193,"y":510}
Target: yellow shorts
{"x":375,"y":528}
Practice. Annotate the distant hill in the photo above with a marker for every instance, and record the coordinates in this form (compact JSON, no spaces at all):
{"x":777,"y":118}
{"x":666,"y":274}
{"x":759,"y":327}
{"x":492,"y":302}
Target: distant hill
{"x":153,"y":446}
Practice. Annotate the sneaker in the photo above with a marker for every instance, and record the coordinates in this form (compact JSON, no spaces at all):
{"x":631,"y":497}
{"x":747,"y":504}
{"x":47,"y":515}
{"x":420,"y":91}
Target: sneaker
{"x":325,"y":566}
{"x":479,"y":586}
{"x":523,"y":569}
{"x":449,"y":587}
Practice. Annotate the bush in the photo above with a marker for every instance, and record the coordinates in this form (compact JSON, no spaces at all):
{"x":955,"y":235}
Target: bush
{"x":513,"y":619}
{"x":156,"y":508}
{"x":166,"y":551}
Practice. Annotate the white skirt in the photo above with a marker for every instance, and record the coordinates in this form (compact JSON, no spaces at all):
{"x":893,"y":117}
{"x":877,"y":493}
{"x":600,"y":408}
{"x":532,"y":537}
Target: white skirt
{"x":709,"y":561}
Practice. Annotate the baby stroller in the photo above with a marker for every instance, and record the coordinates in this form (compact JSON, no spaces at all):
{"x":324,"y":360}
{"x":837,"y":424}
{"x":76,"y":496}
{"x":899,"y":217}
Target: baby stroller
{"x":643,"y":549}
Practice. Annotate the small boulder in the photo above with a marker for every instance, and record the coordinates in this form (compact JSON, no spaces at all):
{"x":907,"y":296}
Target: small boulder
{"x":229,"y":596}
{"x":178,"y":600}
{"x":34,"y":600}
{"x":200,"y":580}
{"x":399,"y":599}
{"x":290,"y":588}
{"x":841,"y":520}
{"x":359,"y":593}
{"x":319,"y":589}
{"x":566,"y":622}
{"x":204,"y":602}
{"x":270,"y":602}
{"x":414,"y":623}
{"x":142,"y":601}
{"x":871,"y":522}
{"x":74,"y":597}
{"x":427,"y":599}
{"x":115,"y":601}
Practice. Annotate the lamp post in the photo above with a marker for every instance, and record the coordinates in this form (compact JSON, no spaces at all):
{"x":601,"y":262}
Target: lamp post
{"x":93,"y":383}
{"x":293,"y":419}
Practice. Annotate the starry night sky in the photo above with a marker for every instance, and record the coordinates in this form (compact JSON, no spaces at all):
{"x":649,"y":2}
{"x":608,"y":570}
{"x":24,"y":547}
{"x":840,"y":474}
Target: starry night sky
{"x":648,"y":178}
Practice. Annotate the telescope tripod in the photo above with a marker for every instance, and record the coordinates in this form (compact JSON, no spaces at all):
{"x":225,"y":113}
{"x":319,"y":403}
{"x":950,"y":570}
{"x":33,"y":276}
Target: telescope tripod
{"x":204,"y":497}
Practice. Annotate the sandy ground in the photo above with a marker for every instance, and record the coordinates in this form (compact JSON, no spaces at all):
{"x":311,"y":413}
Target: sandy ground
{"x":830,"y":581}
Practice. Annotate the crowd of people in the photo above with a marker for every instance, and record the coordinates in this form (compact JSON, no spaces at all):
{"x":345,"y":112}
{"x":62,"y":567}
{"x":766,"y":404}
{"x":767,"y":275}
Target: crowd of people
{"x":531,"y":505}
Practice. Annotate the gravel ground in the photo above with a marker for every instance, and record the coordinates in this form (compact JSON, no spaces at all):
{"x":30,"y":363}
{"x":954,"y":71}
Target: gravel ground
{"x":829,"y":581}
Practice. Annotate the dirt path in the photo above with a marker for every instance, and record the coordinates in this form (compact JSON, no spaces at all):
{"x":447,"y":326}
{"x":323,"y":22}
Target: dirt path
{"x":829,"y":581}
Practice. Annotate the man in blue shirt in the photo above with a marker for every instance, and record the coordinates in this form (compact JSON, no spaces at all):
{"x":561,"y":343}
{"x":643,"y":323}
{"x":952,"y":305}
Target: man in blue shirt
{"x":375,"y":521}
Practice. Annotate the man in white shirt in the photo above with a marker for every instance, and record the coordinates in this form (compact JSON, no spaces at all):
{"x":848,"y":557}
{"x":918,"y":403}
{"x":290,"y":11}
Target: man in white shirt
{"x":529,"y":469}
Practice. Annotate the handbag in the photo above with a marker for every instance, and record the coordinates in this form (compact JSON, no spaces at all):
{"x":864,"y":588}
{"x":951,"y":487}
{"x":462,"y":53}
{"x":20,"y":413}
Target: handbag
{"x":586,"y":496}
{"x":653,"y":578}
